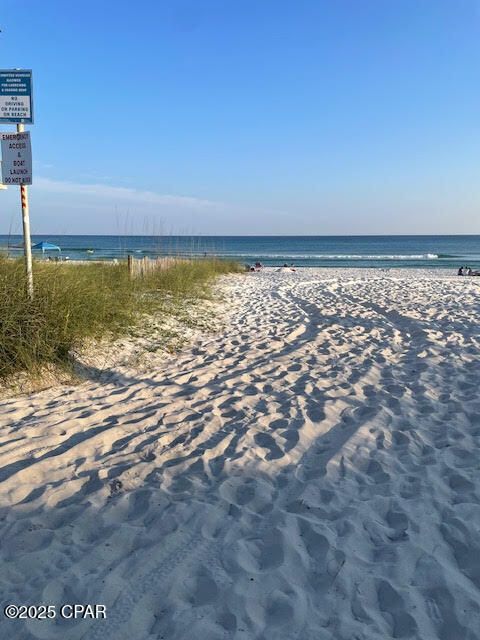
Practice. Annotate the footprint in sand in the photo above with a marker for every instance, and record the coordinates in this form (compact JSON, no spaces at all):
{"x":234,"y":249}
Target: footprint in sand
{"x":260,"y":554}
{"x":279,"y":423}
{"x":316,"y":546}
{"x":266,"y":441}
{"x":315,"y":411}
{"x":280,"y":609}
{"x":228,"y":621}
{"x":410,"y":488}
{"x":465,"y":547}
{"x":400,"y":439}
{"x":291,"y":439}
{"x":397,"y":521}
{"x":440,"y":606}
{"x":462,"y":488}
{"x":376,"y":473}
{"x":463,"y":458}
{"x":200,"y":589}
{"x":395,"y":613}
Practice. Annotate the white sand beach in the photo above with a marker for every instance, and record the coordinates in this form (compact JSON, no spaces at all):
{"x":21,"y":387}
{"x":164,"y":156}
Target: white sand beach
{"x":311,"y":471}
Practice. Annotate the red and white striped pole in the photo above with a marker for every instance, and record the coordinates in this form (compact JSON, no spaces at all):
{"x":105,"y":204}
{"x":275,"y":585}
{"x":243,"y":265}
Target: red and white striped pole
{"x":27,"y":244}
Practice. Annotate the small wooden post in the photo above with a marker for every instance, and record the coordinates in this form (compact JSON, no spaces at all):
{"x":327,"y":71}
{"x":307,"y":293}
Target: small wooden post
{"x":130,"y":265}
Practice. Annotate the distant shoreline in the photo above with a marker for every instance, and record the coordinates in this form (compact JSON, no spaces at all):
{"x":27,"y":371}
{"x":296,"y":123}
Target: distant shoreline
{"x":448,"y":252}
{"x":439,"y":270}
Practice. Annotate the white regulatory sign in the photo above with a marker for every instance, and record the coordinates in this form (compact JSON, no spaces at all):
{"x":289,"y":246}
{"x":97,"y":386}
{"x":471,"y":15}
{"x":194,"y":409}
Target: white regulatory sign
{"x":16,"y":100}
{"x":16,"y":158}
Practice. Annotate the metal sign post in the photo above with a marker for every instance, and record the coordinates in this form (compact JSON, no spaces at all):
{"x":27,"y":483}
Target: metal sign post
{"x":27,"y":243}
{"x":16,"y":107}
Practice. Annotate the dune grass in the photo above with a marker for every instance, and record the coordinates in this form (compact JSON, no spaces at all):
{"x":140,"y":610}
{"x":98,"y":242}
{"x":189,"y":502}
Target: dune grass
{"x":74,"y":302}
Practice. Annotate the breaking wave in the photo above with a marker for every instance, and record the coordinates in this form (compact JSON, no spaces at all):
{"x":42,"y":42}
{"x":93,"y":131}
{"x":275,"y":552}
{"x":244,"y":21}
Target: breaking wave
{"x":339,"y":256}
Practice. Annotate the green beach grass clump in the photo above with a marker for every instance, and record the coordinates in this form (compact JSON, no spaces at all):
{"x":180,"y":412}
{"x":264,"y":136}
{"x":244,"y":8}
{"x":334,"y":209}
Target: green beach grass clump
{"x":73,"y":302}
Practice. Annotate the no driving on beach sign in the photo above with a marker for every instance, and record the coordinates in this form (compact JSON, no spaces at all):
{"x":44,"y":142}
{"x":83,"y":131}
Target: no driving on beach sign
{"x":16,"y":103}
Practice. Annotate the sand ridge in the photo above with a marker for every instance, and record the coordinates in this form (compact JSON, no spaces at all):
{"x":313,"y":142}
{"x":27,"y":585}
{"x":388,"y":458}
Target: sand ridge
{"x":310,"y":472}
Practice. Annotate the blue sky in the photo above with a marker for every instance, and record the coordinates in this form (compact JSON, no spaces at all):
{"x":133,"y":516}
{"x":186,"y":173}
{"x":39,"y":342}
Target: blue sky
{"x":305,"y":117}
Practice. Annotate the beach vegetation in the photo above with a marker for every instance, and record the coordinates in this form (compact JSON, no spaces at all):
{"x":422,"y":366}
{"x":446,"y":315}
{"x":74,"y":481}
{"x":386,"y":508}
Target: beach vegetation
{"x":75,"y":302}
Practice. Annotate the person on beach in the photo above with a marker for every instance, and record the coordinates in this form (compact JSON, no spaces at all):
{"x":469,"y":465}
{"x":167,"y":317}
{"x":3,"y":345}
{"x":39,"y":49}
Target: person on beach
{"x":467,"y":271}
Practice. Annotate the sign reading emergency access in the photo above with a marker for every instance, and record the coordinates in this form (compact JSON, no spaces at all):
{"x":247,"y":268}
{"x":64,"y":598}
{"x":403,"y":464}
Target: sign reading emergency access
{"x":16,"y":99}
{"x":16,"y":158}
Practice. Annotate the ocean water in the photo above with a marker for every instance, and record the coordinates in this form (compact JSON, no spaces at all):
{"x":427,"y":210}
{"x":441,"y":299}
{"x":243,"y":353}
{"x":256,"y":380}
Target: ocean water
{"x":303,"y":251}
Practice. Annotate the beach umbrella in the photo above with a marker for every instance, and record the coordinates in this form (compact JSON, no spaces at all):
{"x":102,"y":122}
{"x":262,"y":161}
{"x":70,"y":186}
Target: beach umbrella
{"x":46,"y":246}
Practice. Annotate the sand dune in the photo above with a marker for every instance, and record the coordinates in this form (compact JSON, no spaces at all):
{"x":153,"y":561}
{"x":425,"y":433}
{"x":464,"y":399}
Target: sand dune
{"x":310,"y":472}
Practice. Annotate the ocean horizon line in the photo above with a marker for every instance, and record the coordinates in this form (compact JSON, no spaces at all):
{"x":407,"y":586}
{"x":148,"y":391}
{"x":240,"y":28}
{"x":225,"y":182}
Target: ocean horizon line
{"x":250,"y":235}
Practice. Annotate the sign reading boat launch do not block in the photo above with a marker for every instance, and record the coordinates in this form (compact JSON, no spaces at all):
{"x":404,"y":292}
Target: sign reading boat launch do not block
{"x":16,"y":98}
{"x":16,"y":158}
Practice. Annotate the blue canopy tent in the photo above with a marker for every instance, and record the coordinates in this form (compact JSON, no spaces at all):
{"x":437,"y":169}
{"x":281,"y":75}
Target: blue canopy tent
{"x":46,"y":246}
